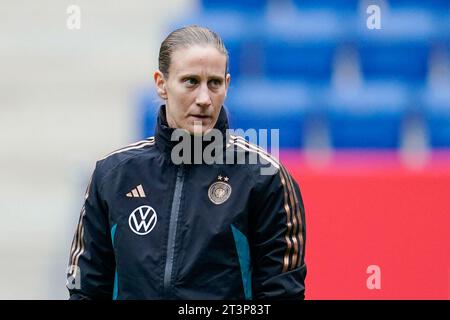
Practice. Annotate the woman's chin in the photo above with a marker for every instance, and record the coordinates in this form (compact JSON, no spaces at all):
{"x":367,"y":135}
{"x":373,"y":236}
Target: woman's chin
{"x":199,"y":128}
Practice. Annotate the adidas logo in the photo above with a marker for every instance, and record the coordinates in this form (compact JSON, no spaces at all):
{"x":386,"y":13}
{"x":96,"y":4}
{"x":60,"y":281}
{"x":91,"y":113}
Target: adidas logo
{"x":137,"y":192}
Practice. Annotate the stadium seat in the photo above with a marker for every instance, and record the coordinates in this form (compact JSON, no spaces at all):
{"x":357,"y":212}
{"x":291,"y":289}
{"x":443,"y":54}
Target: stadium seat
{"x":405,"y":61}
{"x":270,"y":104}
{"x":368,"y":117}
{"x":235,"y":5}
{"x":147,"y":110}
{"x":436,"y":102}
{"x":335,"y":5}
{"x":432,"y":5}
{"x":299,"y":47}
{"x":399,"y":50}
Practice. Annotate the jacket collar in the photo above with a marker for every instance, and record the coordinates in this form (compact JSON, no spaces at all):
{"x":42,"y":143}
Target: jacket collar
{"x":163,"y":132}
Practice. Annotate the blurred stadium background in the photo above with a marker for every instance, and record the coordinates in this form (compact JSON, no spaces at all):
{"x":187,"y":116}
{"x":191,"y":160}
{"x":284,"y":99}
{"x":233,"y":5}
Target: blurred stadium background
{"x":364,"y":119}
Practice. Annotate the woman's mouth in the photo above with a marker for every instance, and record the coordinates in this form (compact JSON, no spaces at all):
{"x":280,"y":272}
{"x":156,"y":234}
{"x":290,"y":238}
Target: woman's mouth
{"x":198,"y":116}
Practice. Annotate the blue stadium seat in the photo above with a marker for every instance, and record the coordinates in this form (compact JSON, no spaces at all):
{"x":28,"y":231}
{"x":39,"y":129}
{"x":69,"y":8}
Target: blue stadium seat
{"x":270,"y":104}
{"x":437,"y":114}
{"x":308,"y":61}
{"x":299,"y":46}
{"x":405,"y":61}
{"x":370,"y":117}
{"x":399,"y":50}
{"x":434,"y":5}
{"x":235,"y":5}
{"x":336,"y":5}
{"x":147,"y":111}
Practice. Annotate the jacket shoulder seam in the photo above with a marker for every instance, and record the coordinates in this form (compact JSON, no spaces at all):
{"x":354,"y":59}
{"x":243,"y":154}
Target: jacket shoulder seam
{"x":121,"y":162}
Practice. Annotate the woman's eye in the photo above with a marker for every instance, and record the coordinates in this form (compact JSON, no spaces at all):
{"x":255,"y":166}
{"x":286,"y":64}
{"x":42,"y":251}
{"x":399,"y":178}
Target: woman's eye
{"x":190,"y":81}
{"x":215,"y":83}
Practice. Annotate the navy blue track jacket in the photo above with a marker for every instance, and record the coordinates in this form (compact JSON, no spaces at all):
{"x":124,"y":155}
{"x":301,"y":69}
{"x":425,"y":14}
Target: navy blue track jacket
{"x":151,"y":229}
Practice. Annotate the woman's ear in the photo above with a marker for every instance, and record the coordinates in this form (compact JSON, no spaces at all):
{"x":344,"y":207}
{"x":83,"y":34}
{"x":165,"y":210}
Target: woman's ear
{"x":227,"y":83}
{"x":160,"y":83}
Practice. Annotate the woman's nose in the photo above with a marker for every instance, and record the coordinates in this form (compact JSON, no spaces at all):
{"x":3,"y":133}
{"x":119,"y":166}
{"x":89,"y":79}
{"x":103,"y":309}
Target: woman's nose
{"x":203,"y":98}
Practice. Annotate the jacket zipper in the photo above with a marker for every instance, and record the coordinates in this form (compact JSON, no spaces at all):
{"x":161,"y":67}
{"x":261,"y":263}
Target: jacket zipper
{"x":173,"y":229}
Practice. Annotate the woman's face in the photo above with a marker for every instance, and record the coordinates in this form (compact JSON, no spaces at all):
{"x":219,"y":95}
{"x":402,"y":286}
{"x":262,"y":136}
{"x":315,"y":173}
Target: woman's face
{"x":195,"y":88}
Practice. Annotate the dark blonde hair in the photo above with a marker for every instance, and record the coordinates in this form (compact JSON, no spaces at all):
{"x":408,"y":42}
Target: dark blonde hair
{"x":184,"y":38}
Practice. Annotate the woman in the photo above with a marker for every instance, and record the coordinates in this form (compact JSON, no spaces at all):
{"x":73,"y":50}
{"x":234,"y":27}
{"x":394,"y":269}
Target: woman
{"x":153,"y":227}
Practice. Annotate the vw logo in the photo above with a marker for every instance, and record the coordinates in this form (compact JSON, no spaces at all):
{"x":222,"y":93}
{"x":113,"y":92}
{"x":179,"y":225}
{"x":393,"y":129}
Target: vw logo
{"x":142,"y":220}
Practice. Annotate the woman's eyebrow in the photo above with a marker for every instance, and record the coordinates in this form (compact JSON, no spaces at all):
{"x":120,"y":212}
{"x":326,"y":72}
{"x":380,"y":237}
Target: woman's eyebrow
{"x":196,"y":76}
{"x":189,"y":75}
{"x":216,"y":77}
